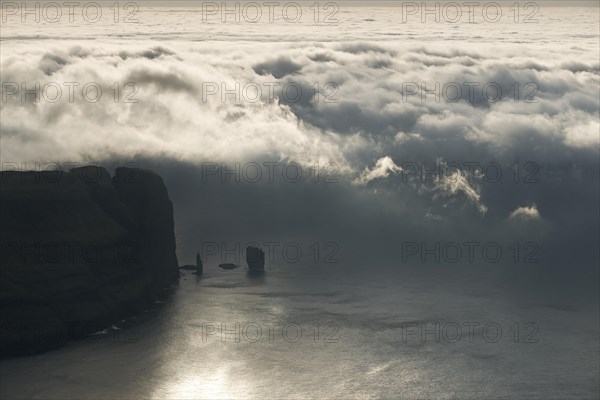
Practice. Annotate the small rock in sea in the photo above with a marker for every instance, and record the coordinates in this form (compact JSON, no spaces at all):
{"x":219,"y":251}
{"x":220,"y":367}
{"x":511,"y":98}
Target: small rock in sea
{"x":199,"y":266}
{"x":255,"y":257}
{"x":229,"y":266}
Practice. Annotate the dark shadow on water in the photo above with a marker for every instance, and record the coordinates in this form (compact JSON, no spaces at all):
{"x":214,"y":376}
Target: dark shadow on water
{"x":257,"y":277}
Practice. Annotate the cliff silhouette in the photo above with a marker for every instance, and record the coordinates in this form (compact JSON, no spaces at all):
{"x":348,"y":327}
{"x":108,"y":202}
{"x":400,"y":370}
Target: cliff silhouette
{"x":80,"y":250}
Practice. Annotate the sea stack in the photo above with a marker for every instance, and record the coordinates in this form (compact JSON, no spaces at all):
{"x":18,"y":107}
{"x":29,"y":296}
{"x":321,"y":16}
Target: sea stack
{"x":255,"y":257}
{"x":198,"y":264}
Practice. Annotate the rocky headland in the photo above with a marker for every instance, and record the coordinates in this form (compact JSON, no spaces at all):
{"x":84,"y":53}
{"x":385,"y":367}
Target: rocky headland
{"x":80,"y":250}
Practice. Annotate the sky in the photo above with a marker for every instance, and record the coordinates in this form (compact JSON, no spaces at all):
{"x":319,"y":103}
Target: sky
{"x":506,"y":113}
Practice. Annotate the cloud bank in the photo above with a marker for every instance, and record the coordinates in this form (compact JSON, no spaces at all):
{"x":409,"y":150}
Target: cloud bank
{"x":503,"y":119}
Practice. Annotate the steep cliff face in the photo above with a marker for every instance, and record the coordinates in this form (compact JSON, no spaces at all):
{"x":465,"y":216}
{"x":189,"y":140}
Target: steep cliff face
{"x":145,"y":196}
{"x":79,"y":250}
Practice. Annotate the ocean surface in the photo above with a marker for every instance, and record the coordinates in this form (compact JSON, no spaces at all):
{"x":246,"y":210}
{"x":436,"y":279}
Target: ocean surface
{"x":406,"y":332}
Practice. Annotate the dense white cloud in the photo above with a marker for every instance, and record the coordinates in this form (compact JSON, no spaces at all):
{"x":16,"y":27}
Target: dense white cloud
{"x":455,"y":183}
{"x":526,"y":213}
{"x":380,"y":106}
{"x":583,"y":135}
{"x":383,"y":168}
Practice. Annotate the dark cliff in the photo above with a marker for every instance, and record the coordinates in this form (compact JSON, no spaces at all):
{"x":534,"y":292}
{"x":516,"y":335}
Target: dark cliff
{"x":79,"y":250}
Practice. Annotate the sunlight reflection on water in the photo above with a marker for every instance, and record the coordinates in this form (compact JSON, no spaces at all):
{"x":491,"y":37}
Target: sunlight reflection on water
{"x":175,"y":356}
